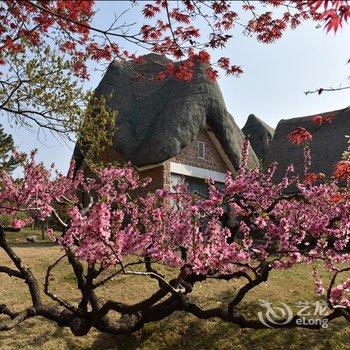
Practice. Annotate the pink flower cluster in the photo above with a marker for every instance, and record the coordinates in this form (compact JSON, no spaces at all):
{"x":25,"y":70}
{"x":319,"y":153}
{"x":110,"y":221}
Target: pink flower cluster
{"x":340,"y":295}
{"x":20,"y":223}
{"x":249,"y":221}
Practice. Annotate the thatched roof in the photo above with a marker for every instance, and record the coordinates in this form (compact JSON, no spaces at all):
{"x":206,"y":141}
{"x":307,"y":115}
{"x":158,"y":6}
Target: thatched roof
{"x":260,"y":135}
{"x":327,"y":145}
{"x":156,"y":119}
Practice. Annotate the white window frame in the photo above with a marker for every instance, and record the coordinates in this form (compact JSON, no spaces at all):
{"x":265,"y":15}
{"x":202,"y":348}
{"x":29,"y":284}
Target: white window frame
{"x":201,"y":147}
{"x":193,"y":171}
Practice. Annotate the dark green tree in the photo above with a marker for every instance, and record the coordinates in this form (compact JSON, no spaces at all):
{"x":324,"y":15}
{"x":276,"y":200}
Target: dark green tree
{"x":7,"y":161}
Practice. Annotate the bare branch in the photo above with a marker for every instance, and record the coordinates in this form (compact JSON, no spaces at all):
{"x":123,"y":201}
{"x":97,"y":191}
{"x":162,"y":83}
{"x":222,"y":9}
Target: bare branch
{"x":57,"y":217}
{"x":27,"y":274}
{"x":11,"y":272}
{"x":321,"y":90}
{"x":5,"y":310}
{"x":53,"y":296}
{"x":22,"y":316}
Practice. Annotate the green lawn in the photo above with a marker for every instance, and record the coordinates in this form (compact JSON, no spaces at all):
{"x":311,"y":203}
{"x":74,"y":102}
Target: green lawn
{"x":19,"y":238}
{"x":180,"y":331}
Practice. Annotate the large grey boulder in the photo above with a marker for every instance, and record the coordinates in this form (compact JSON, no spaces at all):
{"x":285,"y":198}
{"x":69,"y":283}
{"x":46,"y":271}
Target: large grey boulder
{"x":260,"y":135}
{"x":156,"y":119}
{"x":327,"y":146}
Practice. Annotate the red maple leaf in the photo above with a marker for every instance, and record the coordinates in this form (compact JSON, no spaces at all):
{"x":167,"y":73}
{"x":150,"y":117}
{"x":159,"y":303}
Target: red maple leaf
{"x":342,"y":170}
{"x":299,"y":136}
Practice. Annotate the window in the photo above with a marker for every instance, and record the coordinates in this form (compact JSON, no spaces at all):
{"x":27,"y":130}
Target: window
{"x":200,"y":149}
{"x":200,"y":186}
{"x":197,"y":185}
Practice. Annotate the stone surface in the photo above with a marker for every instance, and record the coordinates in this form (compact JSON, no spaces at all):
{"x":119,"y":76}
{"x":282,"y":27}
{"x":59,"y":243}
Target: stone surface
{"x":260,"y":135}
{"x":32,"y":238}
{"x":156,"y":119}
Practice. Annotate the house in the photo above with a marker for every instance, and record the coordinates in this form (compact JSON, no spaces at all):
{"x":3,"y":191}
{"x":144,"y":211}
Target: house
{"x":170,"y":130}
{"x":327,"y":145}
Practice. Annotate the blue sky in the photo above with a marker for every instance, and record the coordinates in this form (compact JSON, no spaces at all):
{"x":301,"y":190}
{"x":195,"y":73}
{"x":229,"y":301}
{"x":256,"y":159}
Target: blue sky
{"x":272,"y":86}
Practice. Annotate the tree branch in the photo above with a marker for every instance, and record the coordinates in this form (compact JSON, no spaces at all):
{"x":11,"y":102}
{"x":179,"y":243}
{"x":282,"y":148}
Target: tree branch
{"x":22,"y":316}
{"x":26,"y":273}
{"x":53,"y":296}
{"x":11,"y":272}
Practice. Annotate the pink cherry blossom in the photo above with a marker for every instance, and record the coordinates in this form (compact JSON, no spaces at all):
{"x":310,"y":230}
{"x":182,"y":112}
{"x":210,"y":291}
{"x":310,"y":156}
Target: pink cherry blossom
{"x":205,"y":236}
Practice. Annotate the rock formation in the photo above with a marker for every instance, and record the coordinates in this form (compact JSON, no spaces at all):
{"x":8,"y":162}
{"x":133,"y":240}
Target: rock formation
{"x":156,"y":119}
{"x":260,"y":135}
{"x":327,"y":146}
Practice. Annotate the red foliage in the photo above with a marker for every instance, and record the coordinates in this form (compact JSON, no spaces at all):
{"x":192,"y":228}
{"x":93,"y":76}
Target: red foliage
{"x":342,"y":170}
{"x":299,"y":136}
{"x":150,"y":10}
{"x":322,"y":120}
{"x":339,"y":197}
{"x":204,"y":57}
{"x":171,"y":28}
{"x":311,"y":178}
{"x":212,"y":74}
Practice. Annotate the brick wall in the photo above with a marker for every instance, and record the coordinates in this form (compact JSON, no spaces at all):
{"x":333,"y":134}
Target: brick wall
{"x":166,"y":176}
{"x":156,"y":173}
{"x":212,"y":159}
{"x":157,"y":176}
{"x":161,"y":177}
{"x":109,"y":155}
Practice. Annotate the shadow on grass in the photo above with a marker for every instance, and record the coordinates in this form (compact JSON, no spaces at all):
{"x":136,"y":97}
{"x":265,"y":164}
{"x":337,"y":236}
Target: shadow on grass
{"x":183,"y":332}
{"x":38,"y":244}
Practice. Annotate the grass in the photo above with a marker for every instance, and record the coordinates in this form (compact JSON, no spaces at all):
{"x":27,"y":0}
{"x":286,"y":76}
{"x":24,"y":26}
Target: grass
{"x":19,"y":238}
{"x":180,"y":331}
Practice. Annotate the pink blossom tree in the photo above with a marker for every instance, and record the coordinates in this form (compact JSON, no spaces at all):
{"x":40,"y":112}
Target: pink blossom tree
{"x":118,"y":233}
